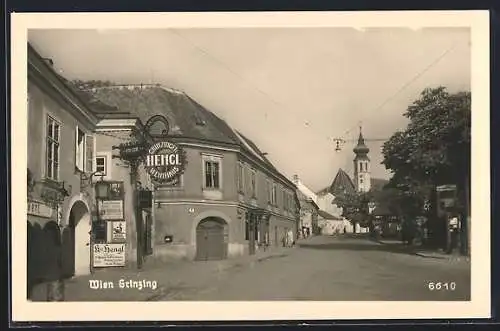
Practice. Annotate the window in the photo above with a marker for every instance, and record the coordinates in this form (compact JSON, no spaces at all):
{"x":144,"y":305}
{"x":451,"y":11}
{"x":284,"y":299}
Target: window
{"x":212,"y":172}
{"x":101,"y":165}
{"x":212,"y":175}
{"x":241,"y":178}
{"x":53,"y":134}
{"x":288,"y":201}
{"x":84,"y":151}
{"x":89,"y":153}
{"x":80,"y":152}
{"x":274,"y":195}
{"x":268,"y":191}
{"x":253,"y":183}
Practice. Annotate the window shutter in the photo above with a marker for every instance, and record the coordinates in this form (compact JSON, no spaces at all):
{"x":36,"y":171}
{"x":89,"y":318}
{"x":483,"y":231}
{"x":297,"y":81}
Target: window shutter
{"x":89,"y":153}
{"x":76,"y":147}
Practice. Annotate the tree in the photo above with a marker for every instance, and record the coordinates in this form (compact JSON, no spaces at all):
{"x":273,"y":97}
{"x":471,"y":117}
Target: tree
{"x":434,"y":148}
{"x":354,"y":207}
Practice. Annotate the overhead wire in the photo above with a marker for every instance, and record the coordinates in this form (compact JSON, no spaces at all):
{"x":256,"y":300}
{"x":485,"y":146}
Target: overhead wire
{"x":406,"y":85}
{"x":308,"y":123}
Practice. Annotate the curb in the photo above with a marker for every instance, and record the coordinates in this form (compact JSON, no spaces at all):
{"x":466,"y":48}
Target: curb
{"x":450,"y":257}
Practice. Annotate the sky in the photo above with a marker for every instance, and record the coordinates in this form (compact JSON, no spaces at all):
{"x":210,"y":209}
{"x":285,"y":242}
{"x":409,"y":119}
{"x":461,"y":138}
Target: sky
{"x":290,"y":90}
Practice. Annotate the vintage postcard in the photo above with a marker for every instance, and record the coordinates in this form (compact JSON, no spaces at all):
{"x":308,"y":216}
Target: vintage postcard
{"x":250,"y":166}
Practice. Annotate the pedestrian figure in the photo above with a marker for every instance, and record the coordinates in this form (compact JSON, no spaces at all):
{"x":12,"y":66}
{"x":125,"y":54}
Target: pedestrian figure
{"x":453,"y":229}
{"x":290,"y":238}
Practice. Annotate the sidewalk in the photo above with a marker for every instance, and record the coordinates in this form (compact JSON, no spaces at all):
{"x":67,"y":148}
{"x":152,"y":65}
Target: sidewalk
{"x":425,"y":253}
{"x":155,"y":280}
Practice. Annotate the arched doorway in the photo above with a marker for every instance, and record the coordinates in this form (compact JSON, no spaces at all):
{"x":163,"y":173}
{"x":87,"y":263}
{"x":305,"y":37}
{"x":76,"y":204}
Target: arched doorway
{"x":79,"y":232}
{"x":211,"y":239}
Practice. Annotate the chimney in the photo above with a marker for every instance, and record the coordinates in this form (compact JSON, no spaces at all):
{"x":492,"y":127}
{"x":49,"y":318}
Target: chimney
{"x":49,"y":61}
{"x":295,"y":179}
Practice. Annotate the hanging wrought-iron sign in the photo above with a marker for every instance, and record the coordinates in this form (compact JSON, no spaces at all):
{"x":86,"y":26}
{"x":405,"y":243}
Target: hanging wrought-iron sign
{"x":165,"y":162}
{"x":132,"y":150}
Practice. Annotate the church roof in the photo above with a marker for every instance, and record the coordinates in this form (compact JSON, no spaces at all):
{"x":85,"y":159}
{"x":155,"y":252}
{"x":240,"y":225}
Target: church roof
{"x":342,"y":179}
{"x":342,"y":184}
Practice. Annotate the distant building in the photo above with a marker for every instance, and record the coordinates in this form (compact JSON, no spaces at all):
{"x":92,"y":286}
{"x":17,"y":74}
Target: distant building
{"x":309,"y":208}
{"x":308,"y":224}
{"x":362,"y":180}
{"x":344,"y":184}
{"x":330,"y":219}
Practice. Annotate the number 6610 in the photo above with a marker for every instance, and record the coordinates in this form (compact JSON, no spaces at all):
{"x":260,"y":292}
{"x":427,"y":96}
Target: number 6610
{"x":439,"y":286}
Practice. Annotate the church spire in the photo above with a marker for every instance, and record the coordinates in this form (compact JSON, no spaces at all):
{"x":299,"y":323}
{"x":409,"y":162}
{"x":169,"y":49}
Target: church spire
{"x":361,"y":148}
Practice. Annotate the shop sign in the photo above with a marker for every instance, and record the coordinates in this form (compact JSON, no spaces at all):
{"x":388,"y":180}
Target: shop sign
{"x":109,"y":255}
{"x":40,"y":209}
{"x":118,"y":231}
{"x":111,"y":209}
{"x":165,"y":162}
{"x":132,"y":150}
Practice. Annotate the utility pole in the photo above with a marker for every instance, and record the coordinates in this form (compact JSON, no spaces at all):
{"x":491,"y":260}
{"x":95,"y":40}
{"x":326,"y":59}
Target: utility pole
{"x":137,"y":211}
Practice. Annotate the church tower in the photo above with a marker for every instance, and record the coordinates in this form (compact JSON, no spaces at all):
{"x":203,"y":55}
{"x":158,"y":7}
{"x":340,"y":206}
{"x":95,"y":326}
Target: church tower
{"x":362,"y":165}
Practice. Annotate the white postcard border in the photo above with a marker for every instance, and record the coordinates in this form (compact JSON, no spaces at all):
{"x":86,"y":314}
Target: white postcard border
{"x":478,"y":307}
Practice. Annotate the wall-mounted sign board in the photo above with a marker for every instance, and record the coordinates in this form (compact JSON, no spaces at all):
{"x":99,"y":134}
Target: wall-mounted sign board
{"x":118,"y":231}
{"x":40,"y":209}
{"x":108,"y":255}
{"x":111,"y":209}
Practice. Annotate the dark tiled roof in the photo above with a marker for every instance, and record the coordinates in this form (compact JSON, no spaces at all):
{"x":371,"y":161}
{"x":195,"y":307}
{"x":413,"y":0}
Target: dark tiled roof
{"x":252,"y":148}
{"x":378,"y":183}
{"x":305,"y":201}
{"x":342,"y":184}
{"x":325,"y":191}
{"x":327,"y":216}
{"x":186,"y":117}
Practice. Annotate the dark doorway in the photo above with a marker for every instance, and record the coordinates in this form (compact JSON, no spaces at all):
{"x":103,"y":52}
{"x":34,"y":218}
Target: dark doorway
{"x":68,"y":249}
{"x":211,"y":243}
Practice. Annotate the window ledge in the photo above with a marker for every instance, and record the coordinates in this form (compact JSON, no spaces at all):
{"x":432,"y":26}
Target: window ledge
{"x":212,"y":194}
{"x":169,"y":189}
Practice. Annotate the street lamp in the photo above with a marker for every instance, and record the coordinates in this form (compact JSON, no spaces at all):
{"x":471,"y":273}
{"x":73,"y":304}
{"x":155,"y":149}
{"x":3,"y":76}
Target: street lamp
{"x":102,"y":190}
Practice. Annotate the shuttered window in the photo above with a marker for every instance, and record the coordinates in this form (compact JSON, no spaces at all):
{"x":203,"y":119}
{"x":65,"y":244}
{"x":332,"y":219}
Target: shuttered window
{"x":89,"y":153}
{"x":53,"y":136}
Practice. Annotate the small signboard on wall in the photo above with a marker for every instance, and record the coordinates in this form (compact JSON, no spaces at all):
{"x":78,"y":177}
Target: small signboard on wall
{"x":118,"y":231}
{"x":111,"y":209}
{"x":40,"y":209}
{"x":109,"y":255}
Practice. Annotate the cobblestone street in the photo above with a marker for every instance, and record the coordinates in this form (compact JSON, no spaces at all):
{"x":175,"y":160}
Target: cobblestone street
{"x":328,"y":268}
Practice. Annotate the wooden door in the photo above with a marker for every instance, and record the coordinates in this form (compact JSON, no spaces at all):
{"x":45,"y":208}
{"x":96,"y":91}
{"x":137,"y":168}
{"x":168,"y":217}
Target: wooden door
{"x":210,"y":243}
